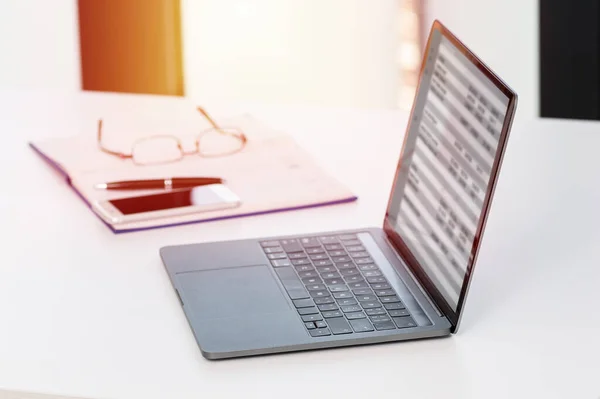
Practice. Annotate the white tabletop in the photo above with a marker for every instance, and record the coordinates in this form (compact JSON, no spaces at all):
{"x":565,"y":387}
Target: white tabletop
{"x":89,"y":313}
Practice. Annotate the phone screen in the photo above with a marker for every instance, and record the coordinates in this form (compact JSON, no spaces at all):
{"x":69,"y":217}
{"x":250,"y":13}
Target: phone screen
{"x":203,"y":195}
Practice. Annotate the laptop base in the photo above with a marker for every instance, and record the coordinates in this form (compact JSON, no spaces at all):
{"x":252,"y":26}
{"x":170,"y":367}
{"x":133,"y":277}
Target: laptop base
{"x":283,"y":294}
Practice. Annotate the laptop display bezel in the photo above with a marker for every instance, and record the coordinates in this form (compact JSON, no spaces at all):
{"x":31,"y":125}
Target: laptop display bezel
{"x":396,"y":240}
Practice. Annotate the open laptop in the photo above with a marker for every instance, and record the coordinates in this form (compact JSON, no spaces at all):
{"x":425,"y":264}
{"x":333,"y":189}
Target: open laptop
{"x":405,"y":280}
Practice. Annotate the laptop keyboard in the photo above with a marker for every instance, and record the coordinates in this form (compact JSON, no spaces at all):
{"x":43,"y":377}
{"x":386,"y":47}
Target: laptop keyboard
{"x":336,"y":286}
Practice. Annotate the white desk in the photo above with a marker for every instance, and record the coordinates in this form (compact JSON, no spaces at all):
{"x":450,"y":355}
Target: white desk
{"x":89,"y":313}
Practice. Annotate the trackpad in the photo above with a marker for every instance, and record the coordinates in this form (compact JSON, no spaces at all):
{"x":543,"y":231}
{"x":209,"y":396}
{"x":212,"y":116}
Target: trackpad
{"x":231,"y":292}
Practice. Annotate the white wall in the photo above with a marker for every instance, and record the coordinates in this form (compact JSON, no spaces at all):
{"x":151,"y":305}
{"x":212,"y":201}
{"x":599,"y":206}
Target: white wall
{"x":329,"y":52}
{"x":334,"y":52}
{"x":504,"y":33}
{"x":39,"y":45}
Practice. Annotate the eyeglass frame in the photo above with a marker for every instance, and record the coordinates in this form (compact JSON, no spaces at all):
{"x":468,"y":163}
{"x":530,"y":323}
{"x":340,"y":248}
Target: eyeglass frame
{"x":215,"y":127}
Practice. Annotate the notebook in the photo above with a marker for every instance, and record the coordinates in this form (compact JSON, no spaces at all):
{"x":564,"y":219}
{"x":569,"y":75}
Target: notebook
{"x":271,"y":174}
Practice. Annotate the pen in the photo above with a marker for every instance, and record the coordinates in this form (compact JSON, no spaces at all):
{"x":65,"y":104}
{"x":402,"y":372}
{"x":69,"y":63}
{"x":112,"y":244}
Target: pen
{"x":168,"y":184}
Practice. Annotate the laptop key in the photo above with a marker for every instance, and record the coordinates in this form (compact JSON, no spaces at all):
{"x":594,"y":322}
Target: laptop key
{"x":342,"y":295}
{"x":380,"y":318}
{"x":318,"y":257}
{"x":316,"y":250}
{"x":351,"y":308}
{"x":399,"y":313}
{"x":369,"y":273}
{"x":319,"y":293}
{"x":327,"y":307}
{"x":346,"y":237}
{"x":304,"y":268}
{"x":305,"y":311}
{"x":337,"y":253}
{"x":404,"y":322}
{"x":297,"y":255}
{"x":312,"y":280}
{"x":333,"y":247}
{"x":345,"y":265}
{"x":331,"y":275}
{"x":361,"y":325}
{"x":363,"y":291}
{"x":385,"y":292}
{"x":363,"y":261}
{"x":326,"y":269}
{"x":375,"y":312}
{"x":291,"y":245}
{"x":298,"y":293}
{"x":289,"y":278}
{"x":310,"y":325}
{"x":355,"y":315}
{"x":337,"y":259}
{"x":265,"y":244}
{"x":362,"y":254}
{"x":339,"y":325}
{"x":310,"y":273}
{"x":338,"y":288}
{"x":352,"y":242}
{"x":277,"y":256}
{"x":328,"y":240}
{"x":346,"y":301}
{"x":366,"y":268}
{"x":349,"y":272}
{"x":380,"y":286}
{"x":334,"y":281}
{"x":366,"y":298}
{"x":273,"y":250}
{"x":393,"y":306}
{"x":354,"y":279}
{"x":371,"y":305}
{"x":384,"y":325}
{"x":374,"y":280}
{"x":303,"y":303}
{"x":355,"y":248}
{"x":324,"y":300}
{"x":300,"y":262}
{"x":321,"y":324}
{"x":333,"y":313}
{"x":310,"y":242}
{"x":281,"y":262}
{"x":320,"y":332}
{"x":389,"y":299}
{"x":319,"y":263}
{"x":358,"y":285}
{"x":316,"y":287}
{"x":312,"y":317}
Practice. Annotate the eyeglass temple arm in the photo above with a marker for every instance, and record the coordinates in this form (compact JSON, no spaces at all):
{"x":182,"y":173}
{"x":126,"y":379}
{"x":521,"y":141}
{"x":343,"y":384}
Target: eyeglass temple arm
{"x":106,"y":150}
{"x":207,"y":116}
{"x":242,"y":136}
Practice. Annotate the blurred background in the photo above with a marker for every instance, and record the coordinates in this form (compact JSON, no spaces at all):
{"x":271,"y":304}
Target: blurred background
{"x":351,"y":53}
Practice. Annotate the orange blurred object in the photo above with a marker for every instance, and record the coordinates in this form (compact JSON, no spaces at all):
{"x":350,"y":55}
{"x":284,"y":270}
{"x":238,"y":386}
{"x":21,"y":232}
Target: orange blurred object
{"x":131,"y":46}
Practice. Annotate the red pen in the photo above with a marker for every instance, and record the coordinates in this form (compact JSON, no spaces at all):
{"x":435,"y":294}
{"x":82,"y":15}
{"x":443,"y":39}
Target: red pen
{"x":167,"y":184}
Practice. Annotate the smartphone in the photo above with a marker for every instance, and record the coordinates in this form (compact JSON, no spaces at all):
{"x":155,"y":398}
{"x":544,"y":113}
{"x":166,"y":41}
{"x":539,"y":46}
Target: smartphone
{"x":171,"y":203}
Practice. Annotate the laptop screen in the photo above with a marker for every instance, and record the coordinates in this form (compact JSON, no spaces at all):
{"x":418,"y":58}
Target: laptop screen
{"x":447,"y":164}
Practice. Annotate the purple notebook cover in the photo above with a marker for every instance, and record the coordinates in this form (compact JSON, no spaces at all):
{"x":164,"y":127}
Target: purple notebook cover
{"x":64,"y":174}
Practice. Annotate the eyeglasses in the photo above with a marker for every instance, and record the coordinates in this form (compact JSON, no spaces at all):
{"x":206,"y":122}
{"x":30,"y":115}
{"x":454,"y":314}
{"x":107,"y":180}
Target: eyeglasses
{"x":215,"y":141}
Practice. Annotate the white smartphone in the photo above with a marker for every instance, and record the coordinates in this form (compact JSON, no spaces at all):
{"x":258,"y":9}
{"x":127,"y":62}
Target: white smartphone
{"x":171,"y":203}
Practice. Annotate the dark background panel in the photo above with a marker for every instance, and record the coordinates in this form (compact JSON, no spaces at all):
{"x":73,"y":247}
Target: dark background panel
{"x":569,"y":59}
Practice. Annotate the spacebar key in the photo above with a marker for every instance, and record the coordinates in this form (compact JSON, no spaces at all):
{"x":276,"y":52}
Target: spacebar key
{"x":292,"y":283}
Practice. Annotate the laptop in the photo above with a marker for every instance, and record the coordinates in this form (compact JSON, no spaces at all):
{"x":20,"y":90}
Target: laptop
{"x":405,"y":280}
